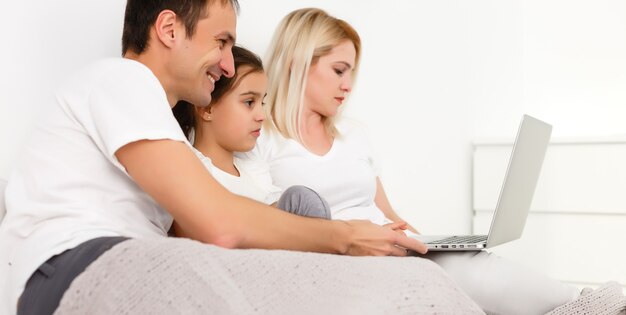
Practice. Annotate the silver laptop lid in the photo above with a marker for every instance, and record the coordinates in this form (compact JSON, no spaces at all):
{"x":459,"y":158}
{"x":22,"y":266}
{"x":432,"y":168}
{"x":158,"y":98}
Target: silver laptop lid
{"x":520,"y":181}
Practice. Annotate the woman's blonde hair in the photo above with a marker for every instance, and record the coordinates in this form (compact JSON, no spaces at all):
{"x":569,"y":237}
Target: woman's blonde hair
{"x":301,"y":38}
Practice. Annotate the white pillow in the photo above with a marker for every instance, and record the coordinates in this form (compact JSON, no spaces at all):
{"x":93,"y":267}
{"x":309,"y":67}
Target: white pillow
{"x":3,"y":210}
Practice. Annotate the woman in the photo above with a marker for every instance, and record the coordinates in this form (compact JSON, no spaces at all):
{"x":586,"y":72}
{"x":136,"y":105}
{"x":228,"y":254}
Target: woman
{"x":312,"y":63}
{"x":325,"y":51}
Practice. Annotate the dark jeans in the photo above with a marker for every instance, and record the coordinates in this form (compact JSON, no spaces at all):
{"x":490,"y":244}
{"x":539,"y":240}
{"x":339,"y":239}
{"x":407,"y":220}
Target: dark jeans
{"x":46,"y":286}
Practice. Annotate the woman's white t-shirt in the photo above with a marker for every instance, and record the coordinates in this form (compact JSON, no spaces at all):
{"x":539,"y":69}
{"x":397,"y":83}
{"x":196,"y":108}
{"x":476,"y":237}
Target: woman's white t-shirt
{"x":254,"y":180}
{"x":345,"y":176}
{"x":68,"y":186}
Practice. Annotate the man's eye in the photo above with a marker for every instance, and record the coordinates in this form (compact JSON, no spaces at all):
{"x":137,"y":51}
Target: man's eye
{"x":222,"y":42}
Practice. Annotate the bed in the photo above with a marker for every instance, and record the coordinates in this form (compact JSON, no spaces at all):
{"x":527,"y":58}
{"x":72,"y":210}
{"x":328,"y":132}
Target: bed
{"x":175,"y":275}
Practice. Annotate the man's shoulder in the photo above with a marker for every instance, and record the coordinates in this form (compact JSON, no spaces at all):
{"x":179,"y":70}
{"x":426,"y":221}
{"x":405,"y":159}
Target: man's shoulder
{"x":108,"y":69}
{"x":111,"y":74}
{"x":114,"y":67}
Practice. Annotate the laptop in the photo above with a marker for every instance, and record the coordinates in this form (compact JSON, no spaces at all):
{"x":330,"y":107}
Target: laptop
{"x":515,"y":197}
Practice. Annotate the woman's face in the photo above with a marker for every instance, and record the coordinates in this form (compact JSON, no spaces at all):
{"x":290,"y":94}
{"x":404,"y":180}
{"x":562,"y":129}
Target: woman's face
{"x":330,"y":79}
{"x":236,"y":119}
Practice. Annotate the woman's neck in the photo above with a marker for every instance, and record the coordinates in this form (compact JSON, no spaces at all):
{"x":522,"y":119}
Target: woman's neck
{"x":220,"y":157}
{"x":314,"y":134}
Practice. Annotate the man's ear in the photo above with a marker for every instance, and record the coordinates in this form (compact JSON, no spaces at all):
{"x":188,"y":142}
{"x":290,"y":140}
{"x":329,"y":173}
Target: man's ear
{"x":166,"y":28}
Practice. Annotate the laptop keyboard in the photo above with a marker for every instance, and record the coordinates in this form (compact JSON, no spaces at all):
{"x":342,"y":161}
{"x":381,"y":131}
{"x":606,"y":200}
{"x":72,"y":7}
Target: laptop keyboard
{"x":466,"y":239}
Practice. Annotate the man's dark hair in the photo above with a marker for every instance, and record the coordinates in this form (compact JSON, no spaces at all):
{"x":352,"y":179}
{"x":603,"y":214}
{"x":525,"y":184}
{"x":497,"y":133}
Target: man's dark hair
{"x":142,"y":14}
{"x":185,"y":113}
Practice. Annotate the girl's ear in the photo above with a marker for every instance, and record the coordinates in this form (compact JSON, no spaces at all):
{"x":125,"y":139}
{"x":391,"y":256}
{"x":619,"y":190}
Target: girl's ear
{"x":206,"y":116}
{"x":205,"y":113}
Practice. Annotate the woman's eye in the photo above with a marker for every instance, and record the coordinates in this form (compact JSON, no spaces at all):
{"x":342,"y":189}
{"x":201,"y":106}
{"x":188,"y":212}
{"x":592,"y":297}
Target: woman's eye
{"x":339,"y":72}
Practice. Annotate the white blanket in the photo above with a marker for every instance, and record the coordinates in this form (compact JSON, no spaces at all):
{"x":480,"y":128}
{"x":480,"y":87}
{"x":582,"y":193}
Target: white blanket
{"x":178,"y":276}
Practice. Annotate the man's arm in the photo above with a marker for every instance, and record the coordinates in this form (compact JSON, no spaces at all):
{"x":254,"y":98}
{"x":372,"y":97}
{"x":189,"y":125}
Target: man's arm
{"x":169,"y":172}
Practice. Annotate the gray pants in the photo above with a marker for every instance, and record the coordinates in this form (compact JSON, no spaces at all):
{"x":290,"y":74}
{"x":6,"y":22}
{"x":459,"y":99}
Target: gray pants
{"x":47,"y":285}
{"x":304,"y":201}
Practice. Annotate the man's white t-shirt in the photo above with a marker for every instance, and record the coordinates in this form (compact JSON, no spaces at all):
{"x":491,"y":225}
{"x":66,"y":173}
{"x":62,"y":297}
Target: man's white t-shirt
{"x":254,"y":180}
{"x":345,"y":176}
{"x":68,"y":186}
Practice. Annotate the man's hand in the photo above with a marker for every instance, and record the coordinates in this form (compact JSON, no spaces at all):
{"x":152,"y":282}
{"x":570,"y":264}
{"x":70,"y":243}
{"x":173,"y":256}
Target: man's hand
{"x":369,"y":239}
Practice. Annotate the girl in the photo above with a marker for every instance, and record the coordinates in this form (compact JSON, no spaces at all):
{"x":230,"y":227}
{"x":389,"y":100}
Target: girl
{"x":232,"y":123}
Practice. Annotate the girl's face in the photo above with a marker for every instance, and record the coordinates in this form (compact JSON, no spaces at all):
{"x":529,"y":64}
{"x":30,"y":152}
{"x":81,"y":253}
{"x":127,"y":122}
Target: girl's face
{"x":330,"y":79}
{"x":236,"y":119}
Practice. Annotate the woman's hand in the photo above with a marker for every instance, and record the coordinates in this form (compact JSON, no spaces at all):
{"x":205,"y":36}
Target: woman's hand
{"x":382,"y":202}
{"x":399,"y":226}
{"x":369,"y":239}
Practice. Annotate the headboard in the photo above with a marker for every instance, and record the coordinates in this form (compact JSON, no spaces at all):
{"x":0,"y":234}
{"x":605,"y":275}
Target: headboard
{"x":578,"y":214}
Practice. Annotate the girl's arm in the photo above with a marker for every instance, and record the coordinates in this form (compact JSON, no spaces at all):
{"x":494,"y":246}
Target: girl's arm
{"x":171,"y":173}
{"x":382,"y":202}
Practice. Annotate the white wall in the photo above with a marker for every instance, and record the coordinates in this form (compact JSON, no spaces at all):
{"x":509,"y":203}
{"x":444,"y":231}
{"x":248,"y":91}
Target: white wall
{"x":568,"y":66}
{"x":434,"y":75}
{"x":46,"y":43}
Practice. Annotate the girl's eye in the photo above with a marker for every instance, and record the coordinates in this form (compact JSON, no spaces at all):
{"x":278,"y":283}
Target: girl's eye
{"x":249,"y":103}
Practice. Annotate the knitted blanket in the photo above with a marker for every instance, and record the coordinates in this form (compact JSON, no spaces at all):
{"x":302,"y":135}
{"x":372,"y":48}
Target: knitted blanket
{"x":179,"y":276}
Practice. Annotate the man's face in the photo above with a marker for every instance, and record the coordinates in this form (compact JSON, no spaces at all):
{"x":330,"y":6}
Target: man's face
{"x":200,"y":61}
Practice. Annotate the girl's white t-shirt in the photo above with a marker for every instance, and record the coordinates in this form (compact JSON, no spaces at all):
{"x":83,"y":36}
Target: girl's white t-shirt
{"x":345,"y":176}
{"x":254,"y":180}
{"x":68,"y":187}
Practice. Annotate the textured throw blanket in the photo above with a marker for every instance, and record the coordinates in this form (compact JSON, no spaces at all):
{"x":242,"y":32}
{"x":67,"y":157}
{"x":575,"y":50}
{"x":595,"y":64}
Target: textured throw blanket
{"x":179,"y":276}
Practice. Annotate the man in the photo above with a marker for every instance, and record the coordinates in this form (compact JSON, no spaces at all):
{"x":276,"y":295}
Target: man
{"x":111,"y":163}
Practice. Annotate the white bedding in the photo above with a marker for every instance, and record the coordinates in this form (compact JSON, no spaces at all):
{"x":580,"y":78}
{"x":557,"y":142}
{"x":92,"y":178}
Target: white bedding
{"x":179,"y":276}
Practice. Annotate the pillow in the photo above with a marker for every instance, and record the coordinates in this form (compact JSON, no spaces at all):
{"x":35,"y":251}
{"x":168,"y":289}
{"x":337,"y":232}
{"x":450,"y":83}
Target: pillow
{"x":3,"y":185}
